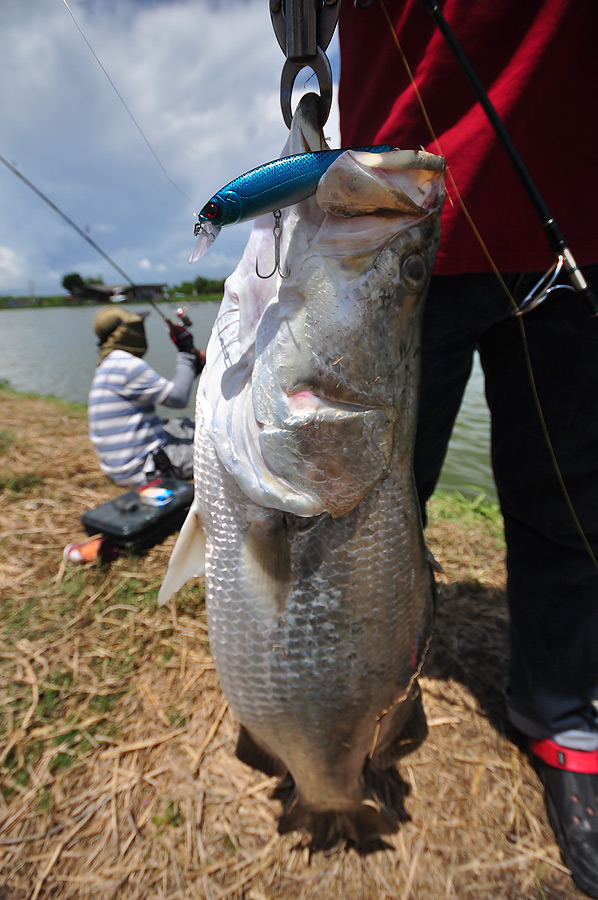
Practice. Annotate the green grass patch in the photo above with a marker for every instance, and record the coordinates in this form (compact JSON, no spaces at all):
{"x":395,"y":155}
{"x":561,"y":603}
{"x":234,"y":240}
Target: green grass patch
{"x":467,"y":511}
{"x":7,"y":439}
{"x":16,"y":616}
{"x":171,"y":817}
{"x":97,"y":631}
{"x":20,"y":484}
{"x":60,"y":761}
{"x":78,"y":410}
{"x":176,"y":718}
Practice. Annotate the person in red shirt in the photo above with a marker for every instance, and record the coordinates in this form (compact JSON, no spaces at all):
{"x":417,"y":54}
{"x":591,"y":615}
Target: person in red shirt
{"x":536,"y":61}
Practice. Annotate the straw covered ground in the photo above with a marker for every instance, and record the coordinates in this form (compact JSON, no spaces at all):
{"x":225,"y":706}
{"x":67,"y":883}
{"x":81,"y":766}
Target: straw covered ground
{"x":117,"y":770}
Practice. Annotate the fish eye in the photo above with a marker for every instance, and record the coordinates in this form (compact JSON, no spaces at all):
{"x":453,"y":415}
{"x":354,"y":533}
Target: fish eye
{"x":413,"y":271}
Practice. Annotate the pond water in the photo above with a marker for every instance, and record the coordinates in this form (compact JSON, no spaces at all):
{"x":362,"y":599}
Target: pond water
{"x":52,"y":351}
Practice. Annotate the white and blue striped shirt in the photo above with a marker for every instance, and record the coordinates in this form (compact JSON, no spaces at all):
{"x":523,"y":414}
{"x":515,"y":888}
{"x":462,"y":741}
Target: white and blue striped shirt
{"x":123,"y":424}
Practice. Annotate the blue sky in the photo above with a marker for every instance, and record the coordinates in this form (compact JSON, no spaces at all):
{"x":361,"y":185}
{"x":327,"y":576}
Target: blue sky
{"x":202,"y":80}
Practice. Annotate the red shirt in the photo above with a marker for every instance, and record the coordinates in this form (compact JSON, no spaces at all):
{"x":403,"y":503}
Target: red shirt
{"x":536,"y":59}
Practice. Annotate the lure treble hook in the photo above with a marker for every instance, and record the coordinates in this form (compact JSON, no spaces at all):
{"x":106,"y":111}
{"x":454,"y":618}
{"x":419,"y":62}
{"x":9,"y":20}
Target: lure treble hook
{"x":277,"y":232}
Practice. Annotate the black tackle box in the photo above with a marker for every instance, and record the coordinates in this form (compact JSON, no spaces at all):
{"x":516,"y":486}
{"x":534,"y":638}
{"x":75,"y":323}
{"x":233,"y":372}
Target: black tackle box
{"x":142,"y":517}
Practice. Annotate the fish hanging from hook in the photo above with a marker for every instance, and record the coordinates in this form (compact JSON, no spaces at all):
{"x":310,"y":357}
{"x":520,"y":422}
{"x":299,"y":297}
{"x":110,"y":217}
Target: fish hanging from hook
{"x":272,"y":186}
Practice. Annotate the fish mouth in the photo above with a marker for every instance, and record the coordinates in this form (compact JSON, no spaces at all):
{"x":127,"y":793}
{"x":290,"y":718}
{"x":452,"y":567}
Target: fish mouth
{"x":393,"y":183}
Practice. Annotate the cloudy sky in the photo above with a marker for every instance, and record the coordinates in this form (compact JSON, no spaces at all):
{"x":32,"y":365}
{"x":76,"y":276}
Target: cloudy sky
{"x":201,"y":78}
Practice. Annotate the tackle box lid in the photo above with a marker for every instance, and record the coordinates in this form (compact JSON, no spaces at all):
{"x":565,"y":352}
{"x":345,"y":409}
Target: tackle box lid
{"x":133,"y":521}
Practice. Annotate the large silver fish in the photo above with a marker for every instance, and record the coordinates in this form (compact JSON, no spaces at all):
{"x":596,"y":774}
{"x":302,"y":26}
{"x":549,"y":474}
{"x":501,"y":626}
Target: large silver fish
{"x":319,"y":592}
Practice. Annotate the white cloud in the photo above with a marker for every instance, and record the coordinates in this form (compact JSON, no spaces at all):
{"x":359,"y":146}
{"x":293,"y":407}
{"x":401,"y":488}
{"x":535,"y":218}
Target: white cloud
{"x":202,"y":80}
{"x":12,"y":269}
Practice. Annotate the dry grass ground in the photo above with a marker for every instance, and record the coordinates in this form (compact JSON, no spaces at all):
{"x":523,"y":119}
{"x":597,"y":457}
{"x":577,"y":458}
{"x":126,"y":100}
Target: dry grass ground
{"x":117,"y":769}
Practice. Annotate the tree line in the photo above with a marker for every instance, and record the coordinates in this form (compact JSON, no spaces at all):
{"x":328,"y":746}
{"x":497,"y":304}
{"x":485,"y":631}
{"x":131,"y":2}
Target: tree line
{"x":74,"y":284}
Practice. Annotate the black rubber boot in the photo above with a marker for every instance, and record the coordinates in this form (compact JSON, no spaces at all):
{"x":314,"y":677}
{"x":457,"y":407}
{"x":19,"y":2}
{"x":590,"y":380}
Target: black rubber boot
{"x":570,"y":779}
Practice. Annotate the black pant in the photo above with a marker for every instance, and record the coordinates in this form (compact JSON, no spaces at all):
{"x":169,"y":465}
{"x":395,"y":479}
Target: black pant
{"x":552,"y":575}
{"x":175,"y":458}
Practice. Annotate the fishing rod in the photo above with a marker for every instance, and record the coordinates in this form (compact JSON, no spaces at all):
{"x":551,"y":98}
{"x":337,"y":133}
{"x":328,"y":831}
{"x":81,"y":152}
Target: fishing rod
{"x":551,"y":228}
{"x":70,"y":222}
{"x":126,"y":107}
{"x":80,"y":231}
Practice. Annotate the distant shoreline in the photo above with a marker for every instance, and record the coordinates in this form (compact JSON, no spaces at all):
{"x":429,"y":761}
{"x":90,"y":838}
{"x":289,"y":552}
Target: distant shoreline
{"x":61,"y":301}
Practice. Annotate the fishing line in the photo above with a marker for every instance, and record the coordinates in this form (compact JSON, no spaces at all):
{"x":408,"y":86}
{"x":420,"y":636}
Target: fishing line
{"x":83,"y":234}
{"x":486,"y":252}
{"x":435,"y":140}
{"x":131,"y":116}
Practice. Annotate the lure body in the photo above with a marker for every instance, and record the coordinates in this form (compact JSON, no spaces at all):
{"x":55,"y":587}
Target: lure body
{"x":275,"y":185}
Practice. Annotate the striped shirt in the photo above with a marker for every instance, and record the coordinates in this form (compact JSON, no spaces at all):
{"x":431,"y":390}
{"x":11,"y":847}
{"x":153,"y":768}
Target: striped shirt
{"x":123,"y":424}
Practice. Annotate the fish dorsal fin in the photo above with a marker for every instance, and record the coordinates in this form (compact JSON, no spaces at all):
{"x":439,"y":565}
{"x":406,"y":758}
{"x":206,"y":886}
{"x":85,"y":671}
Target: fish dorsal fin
{"x":188,"y":557}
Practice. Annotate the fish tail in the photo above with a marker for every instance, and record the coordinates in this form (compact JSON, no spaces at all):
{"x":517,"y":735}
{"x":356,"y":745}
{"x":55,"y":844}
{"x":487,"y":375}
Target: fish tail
{"x":380,"y":813}
{"x":381,"y":808}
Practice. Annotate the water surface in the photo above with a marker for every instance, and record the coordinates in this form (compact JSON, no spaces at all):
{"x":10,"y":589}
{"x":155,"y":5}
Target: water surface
{"x":53,"y":351}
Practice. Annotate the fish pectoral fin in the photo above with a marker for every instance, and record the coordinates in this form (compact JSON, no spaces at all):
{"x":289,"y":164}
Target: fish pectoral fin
{"x":188,"y":557}
{"x":267,"y":563}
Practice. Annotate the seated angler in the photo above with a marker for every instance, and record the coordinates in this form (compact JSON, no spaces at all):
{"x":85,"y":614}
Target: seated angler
{"x":132,"y":442}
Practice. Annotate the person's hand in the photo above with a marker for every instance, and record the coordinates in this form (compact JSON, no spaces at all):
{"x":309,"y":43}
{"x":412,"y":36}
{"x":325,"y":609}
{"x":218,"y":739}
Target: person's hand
{"x":181,"y":337}
{"x":200,"y":356}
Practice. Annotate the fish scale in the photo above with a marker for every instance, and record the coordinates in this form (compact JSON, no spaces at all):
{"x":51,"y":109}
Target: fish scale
{"x":267,"y":663}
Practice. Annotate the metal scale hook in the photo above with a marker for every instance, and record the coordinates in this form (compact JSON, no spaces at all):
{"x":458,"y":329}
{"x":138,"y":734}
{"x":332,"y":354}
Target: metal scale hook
{"x":303,"y":29}
{"x":277,"y":232}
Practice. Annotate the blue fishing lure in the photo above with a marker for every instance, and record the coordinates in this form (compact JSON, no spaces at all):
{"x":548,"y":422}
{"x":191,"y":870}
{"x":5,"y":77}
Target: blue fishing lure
{"x":274,"y":185}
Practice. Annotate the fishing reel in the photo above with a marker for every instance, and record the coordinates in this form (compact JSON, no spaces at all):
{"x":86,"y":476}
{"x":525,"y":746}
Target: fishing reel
{"x":179,"y":332}
{"x":181,"y":313}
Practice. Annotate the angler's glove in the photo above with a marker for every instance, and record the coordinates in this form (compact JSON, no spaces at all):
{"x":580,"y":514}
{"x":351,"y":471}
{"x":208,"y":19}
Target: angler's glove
{"x":181,"y":337}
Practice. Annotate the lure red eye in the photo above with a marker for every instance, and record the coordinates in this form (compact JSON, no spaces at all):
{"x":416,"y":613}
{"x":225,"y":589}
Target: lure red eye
{"x":210,"y":210}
